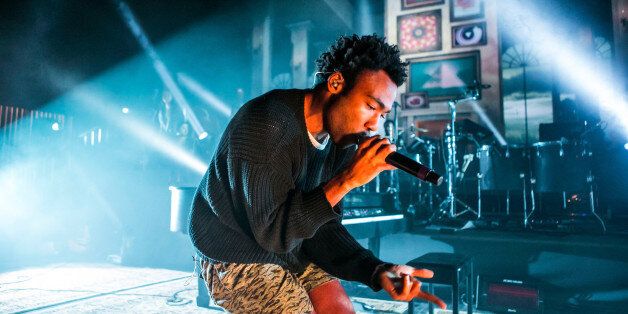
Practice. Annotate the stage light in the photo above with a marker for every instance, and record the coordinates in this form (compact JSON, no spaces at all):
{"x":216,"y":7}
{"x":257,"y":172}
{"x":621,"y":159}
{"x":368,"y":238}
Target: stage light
{"x":55,"y":126}
{"x":202,"y":136}
{"x":489,"y":124}
{"x":197,"y":89}
{"x":159,"y":66}
{"x":592,"y":78}
{"x":125,"y":110}
{"x":626,"y":146}
{"x":100,"y":103}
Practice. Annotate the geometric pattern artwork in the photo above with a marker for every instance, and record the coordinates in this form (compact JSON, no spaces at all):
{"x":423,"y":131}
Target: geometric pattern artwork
{"x":419,"y":32}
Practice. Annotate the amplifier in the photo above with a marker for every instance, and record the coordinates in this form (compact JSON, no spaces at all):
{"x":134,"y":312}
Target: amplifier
{"x":508,"y":295}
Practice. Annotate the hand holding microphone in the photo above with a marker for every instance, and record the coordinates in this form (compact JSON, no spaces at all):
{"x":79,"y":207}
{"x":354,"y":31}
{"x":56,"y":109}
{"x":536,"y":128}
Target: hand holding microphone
{"x":376,"y":154}
{"x":369,"y":160}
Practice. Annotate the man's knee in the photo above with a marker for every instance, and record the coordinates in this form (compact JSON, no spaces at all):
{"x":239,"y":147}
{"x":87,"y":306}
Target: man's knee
{"x":331,"y":297}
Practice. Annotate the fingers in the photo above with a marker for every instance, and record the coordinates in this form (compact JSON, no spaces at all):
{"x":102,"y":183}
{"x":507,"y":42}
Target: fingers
{"x":410,"y":286}
{"x":388,"y":285}
{"x":379,"y":150}
{"x":405,"y":289}
{"x":372,"y":143}
{"x":416,"y":289}
{"x":423,"y":273}
{"x":385,"y":149}
{"x":366,"y":142}
{"x":378,"y":146}
{"x":431,"y":298}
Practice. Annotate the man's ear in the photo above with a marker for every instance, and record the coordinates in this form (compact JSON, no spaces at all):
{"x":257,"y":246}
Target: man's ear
{"x":335,"y":83}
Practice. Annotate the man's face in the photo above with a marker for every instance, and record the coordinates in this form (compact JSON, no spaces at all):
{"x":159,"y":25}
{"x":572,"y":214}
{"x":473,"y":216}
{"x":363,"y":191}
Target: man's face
{"x":359,"y":111}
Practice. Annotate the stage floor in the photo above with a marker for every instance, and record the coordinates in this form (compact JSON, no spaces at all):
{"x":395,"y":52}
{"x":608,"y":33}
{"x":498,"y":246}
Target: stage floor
{"x":98,"y":288}
{"x":578,"y":273}
{"x":106,"y":288}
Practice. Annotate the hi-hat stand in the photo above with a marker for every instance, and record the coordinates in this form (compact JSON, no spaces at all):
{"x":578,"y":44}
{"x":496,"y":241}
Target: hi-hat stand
{"x":448,"y":208}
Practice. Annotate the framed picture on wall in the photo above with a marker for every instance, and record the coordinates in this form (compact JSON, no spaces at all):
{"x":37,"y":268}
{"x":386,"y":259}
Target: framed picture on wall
{"x":411,"y":101}
{"x":460,"y":10}
{"x":468,"y":35}
{"x":446,"y":76}
{"x":419,"y":32}
{"x":411,"y":4}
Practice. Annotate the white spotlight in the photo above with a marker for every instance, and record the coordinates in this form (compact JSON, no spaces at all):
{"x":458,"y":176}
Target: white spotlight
{"x":55,"y":126}
{"x":202,"y":135}
{"x":159,"y":66}
{"x":197,"y":89}
{"x":626,"y":146}
{"x":125,"y":110}
{"x":99,"y":102}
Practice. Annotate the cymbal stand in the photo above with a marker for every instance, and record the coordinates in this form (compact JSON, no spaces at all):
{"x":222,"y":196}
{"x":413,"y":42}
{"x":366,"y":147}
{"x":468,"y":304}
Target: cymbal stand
{"x":393,"y":179}
{"x":592,"y":200}
{"x":431,"y":149}
{"x":448,"y":206}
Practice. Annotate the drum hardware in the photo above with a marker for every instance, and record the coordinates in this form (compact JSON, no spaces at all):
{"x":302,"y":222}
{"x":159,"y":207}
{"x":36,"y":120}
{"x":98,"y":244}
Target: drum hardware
{"x":526,"y":215}
{"x":592,"y":202}
{"x":423,"y":149}
{"x":562,"y":166}
{"x":502,"y":168}
{"x":467,"y":159}
{"x":431,"y":150}
{"x":448,"y":207}
{"x":392,"y":132}
{"x":479,"y":176}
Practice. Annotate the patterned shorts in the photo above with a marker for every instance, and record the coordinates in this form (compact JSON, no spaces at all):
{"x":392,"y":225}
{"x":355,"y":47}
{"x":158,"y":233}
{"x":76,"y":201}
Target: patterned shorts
{"x":261,"y":288}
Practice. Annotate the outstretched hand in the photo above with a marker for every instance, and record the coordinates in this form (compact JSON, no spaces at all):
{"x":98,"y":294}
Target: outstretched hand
{"x":399,"y":282}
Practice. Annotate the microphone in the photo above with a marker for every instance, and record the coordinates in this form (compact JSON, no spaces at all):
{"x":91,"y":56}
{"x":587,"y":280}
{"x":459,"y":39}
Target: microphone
{"x":414,"y":168}
{"x":408,"y":165}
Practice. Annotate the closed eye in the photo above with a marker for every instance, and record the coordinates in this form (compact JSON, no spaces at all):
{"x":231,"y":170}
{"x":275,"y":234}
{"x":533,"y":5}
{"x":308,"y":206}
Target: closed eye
{"x":382,"y":116}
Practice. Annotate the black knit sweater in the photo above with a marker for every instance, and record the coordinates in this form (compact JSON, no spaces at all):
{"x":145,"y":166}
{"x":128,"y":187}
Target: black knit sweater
{"x":262,"y":198}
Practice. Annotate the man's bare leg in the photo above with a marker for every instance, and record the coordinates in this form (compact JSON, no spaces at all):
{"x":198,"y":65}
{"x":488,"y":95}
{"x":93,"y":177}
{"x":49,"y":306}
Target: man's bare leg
{"x":331,"y":297}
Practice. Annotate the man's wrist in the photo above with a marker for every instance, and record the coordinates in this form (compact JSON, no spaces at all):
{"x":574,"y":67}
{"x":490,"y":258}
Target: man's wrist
{"x":375,"y":277}
{"x":337,"y":188}
{"x":346,"y":181}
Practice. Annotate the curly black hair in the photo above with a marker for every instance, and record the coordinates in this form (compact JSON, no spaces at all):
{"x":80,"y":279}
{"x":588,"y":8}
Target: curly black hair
{"x":351,"y":55}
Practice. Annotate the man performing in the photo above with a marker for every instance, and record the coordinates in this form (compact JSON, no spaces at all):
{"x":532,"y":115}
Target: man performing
{"x":266,"y":217}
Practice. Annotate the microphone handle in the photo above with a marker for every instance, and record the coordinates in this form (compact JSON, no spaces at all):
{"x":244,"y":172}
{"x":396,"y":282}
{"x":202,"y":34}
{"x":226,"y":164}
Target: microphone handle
{"x":414,"y":168}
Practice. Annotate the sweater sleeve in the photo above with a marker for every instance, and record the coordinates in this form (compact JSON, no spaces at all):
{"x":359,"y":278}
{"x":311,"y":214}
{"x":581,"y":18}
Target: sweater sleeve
{"x":279,"y":215}
{"x":335,"y":251}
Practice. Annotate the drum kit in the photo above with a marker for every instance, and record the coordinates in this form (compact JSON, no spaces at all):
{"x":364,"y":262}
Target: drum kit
{"x":551,"y":181}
